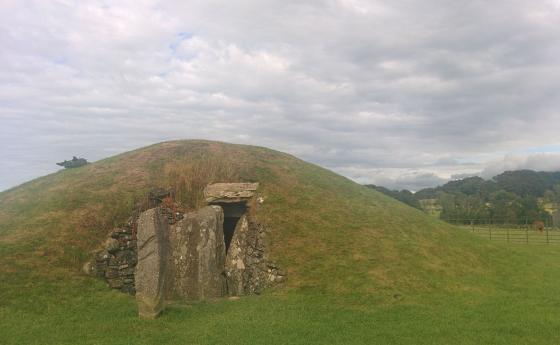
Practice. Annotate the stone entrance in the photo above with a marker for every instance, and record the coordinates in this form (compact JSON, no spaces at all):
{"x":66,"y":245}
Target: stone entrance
{"x":232,"y":213}
{"x":232,"y":198}
{"x":215,"y":251}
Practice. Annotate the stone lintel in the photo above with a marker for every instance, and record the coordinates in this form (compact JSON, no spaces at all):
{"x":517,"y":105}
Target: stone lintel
{"x":229,"y":192}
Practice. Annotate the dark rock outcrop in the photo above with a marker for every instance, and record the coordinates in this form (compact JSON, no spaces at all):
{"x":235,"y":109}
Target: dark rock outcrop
{"x":74,"y":163}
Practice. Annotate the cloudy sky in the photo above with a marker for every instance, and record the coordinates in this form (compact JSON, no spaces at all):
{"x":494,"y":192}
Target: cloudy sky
{"x":401,"y":93}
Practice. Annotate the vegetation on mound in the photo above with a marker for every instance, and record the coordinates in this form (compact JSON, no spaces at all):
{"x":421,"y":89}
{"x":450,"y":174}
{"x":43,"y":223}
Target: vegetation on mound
{"x":362,"y":267}
{"x":327,"y":231}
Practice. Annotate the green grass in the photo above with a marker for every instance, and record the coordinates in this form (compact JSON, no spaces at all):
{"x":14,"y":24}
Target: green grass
{"x":513,"y":310}
{"x":362,"y":268}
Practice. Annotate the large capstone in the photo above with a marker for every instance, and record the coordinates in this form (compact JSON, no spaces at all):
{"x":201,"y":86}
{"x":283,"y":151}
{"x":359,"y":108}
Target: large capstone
{"x":229,"y":192}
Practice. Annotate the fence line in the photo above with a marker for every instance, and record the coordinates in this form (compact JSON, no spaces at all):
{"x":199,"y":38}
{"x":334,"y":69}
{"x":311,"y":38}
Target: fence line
{"x":501,"y":222}
{"x":513,"y":233}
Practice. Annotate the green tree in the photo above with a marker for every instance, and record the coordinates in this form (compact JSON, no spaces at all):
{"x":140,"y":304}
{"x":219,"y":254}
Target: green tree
{"x":506,"y":207}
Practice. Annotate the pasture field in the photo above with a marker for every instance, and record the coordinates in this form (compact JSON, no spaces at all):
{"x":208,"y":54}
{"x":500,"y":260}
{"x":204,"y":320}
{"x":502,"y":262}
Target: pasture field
{"x":518,"y":304}
{"x":362,"y":268}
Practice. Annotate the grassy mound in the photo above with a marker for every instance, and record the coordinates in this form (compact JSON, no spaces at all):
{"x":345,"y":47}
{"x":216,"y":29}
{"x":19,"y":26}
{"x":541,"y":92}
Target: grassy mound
{"x":361,"y":267}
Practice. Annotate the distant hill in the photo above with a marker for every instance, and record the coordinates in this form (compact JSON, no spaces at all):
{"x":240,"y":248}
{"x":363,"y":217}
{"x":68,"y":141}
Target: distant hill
{"x":404,"y":195}
{"x":511,"y":197}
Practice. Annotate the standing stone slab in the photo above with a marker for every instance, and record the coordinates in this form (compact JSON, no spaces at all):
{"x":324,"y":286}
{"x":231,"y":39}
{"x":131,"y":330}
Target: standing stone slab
{"x":236,"y":258}
{"x":150,"y":278}
{"x":197,"y":256}
{"x":183,"y":256}
{"x":248,"y":271}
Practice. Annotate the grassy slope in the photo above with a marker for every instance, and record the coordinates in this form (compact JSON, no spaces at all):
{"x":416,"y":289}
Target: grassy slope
{"x":362,"y":267}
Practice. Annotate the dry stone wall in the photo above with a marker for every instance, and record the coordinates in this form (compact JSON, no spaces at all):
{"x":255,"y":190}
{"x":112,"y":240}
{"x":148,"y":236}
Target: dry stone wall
{"x":117,"y":260}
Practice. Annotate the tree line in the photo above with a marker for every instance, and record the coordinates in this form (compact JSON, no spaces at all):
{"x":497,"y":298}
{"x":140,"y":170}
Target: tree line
{"x":512,"y":197}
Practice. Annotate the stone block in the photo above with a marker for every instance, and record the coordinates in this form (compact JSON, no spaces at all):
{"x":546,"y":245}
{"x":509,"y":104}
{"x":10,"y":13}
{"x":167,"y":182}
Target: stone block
{"x":197,"y":256}
{"x":236,"y":259}
{"x":150,"y":277}
{"x":115,"y":283}
{"x":229,"y":192}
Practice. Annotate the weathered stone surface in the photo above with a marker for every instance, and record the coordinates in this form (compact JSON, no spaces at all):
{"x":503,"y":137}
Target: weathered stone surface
{"x":197,"y":256}
{"x":115,"y":283}
{"x":89,"y":268}
{"x":229,"y":192}
{"x":167,"y":254}
{"x":117,"y":258}
{"x":247,"y":269}
{"x":111,"y":245}
{"x":150,"y":277}
{"x":236,"y":257}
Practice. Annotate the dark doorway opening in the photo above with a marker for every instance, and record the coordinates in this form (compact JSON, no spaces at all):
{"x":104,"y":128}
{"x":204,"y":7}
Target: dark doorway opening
{"x":232,"y":212}
{"x":229,"y":228}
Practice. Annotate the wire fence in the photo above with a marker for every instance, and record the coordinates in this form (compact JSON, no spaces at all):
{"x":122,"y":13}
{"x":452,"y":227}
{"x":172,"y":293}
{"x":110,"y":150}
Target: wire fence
{"x":528,"y":233}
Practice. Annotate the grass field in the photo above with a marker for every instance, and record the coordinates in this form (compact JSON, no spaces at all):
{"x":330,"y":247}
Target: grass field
{"x":519,"y":305}
{"x":362,"y":268}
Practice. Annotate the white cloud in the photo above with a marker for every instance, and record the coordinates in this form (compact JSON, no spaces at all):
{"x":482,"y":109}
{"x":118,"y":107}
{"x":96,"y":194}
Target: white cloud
{"x":540,"y":162}
{"x":380,"y":91}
